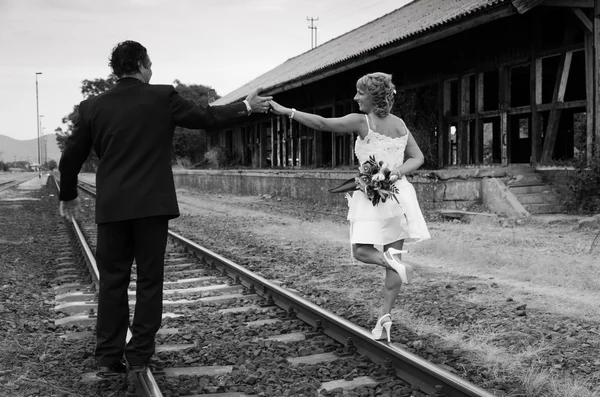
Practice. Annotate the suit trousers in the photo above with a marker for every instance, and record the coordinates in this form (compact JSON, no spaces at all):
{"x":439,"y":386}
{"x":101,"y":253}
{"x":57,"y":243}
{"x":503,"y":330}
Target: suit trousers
{"x":118,"y":244}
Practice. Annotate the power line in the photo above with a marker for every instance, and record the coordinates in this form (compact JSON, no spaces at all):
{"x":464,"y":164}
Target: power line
{"x":313,"y":41}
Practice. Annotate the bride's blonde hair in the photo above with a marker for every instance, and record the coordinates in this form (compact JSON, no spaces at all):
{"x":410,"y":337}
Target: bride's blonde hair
{"x":380,"y":88}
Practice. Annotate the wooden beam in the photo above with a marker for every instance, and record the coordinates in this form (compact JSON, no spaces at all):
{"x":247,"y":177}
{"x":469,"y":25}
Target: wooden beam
{"x":554,"y":117}
{"x":585,"y":21}
{"x":570,"y":3}
{"x":564,"y":77}
{"x":562,"y":105}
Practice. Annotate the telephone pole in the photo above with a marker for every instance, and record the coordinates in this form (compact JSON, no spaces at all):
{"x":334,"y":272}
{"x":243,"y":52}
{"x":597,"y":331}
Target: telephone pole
{"x":37,"y":106}
{"x":313,"y":37}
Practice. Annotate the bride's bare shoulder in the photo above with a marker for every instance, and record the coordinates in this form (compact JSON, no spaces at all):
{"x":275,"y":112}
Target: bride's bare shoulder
{"x":399,"y":126}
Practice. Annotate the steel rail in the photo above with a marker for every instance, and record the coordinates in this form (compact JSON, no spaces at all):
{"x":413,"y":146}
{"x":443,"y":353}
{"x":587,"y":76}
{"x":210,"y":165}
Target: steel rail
{"x":419,"y":372}
{"x":144,"y":380}
{"x":12,"y":183}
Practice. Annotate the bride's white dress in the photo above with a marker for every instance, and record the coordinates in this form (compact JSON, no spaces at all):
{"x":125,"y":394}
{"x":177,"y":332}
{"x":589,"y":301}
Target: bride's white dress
{"x":387,"y":222}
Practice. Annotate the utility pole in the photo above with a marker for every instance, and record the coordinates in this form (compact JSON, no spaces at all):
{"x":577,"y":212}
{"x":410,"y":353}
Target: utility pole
{"x":37,"y":105}
{"x":313,"y":38}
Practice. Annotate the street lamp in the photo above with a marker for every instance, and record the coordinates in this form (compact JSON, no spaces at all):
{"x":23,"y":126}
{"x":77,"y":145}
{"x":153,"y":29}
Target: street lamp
{"x":37,"y":105}
{"x":40,"y":135}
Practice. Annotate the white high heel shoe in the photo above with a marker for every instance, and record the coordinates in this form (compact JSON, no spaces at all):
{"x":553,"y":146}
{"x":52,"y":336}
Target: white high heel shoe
{"x":404,"y":270}
{"x":378,"y":331}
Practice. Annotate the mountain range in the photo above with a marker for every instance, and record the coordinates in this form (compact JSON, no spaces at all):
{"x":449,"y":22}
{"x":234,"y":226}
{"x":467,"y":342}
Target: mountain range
{"x":27,"y":150}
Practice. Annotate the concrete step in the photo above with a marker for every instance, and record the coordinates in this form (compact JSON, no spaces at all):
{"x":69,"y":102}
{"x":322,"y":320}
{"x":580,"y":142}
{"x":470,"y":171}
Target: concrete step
{"x":538,"y":198}
{"x":529,"y":189}
{"x":546,"y":208}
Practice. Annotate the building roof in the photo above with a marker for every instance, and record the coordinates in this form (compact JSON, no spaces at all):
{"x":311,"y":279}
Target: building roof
{"x":414,"y":18}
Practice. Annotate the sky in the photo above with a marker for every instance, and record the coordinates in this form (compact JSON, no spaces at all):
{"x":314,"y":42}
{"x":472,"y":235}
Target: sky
{"x":219,"y":43}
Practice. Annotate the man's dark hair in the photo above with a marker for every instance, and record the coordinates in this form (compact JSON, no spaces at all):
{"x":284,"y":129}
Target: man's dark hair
{"x":125,"y":57}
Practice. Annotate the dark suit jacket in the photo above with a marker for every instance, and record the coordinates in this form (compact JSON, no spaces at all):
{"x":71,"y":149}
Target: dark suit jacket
{"x":131,"y":129}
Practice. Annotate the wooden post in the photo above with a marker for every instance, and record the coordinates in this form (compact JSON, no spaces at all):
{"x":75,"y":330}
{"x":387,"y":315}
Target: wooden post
{"x":478,"y":136}
{"x":596,"y":88}
{"x":273,"y":147}
{"x":441,"y":135}
{"x":244,"y":143}
{"x":504,"y":95}
{"x":279,"y":140}
{"x":263,"y":144}
{"x":284,"y":142}
{"x":535,"y":91}
{"x":446,"y":111}
{"x":460,"y":156}
{"x":589,"y":86}
{"x":333,"y":139}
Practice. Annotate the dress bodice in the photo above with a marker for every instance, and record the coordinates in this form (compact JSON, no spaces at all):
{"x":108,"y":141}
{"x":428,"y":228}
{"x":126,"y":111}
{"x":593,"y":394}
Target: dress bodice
{"x":383,"y":148}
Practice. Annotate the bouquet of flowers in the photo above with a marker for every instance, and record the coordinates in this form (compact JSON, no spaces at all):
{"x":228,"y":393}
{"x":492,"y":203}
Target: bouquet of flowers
{"x":374,"y":179}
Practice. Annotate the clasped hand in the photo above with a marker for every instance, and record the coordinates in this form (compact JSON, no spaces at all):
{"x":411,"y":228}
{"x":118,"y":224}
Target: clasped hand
{"x":258,"y":103}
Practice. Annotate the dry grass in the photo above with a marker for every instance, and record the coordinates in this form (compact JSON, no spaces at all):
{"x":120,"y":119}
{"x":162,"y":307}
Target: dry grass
{"x":551,"y":257}
{"x":500,"y":363}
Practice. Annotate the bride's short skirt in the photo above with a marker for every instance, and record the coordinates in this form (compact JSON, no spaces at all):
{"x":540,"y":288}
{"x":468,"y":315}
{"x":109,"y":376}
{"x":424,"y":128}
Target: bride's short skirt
{"x":387,"y":222}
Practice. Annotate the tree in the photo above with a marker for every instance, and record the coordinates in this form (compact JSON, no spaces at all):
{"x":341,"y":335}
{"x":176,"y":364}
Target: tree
{"x":51,"y":165}
{"x":89,"y":88}
{"x":191,"y":144}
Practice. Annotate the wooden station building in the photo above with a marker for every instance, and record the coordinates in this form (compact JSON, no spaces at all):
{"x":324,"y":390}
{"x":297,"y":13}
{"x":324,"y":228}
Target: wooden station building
{"x":479,"y":83}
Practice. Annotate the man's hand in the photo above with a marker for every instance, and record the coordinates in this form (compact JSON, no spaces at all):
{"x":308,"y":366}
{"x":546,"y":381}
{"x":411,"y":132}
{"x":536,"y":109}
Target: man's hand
{"x":258,"y":103}
{"x":69,"y":209}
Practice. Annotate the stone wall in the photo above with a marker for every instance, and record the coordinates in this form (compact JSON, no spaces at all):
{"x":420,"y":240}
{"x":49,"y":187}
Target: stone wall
{"x":440,"y":189}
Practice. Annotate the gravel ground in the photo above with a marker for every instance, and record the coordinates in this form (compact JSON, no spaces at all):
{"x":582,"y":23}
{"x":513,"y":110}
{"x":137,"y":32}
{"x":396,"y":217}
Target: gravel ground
{"x":306,"y":248}
{"x":308,"y":252}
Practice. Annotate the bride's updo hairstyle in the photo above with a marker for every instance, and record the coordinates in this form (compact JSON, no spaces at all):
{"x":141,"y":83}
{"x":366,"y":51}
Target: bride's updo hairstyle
{"x":380,"y":88}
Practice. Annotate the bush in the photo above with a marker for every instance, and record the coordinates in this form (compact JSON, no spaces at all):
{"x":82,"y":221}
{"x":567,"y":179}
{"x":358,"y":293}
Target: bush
{"x":216,"y":156}
{"x":583,"y":188}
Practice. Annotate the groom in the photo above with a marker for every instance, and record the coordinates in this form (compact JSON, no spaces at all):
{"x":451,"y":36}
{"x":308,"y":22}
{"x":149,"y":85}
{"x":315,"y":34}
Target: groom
{"x":130,"y":127}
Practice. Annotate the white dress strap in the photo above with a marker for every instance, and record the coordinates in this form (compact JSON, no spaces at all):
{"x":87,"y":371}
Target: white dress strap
{"x":367,"y":118}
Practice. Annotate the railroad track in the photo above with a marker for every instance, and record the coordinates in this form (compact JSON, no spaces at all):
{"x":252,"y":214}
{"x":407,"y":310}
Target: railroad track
{"x":232,"y":315}
{"x":9,"y":184}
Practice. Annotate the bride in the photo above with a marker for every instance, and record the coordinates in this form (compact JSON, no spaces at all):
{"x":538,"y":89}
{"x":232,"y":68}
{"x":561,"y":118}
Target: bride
{"x":388,"y":224}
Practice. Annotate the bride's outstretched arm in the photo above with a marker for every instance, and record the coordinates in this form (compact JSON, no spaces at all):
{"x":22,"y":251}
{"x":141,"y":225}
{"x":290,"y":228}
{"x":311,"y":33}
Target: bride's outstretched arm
{"x":348,"y":124}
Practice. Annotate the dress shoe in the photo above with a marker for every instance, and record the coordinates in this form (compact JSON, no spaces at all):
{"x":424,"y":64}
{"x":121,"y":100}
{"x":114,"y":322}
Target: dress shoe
{"x":137,"y":368}
{"x":110,"y":371}
{"x":382,"y":330}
